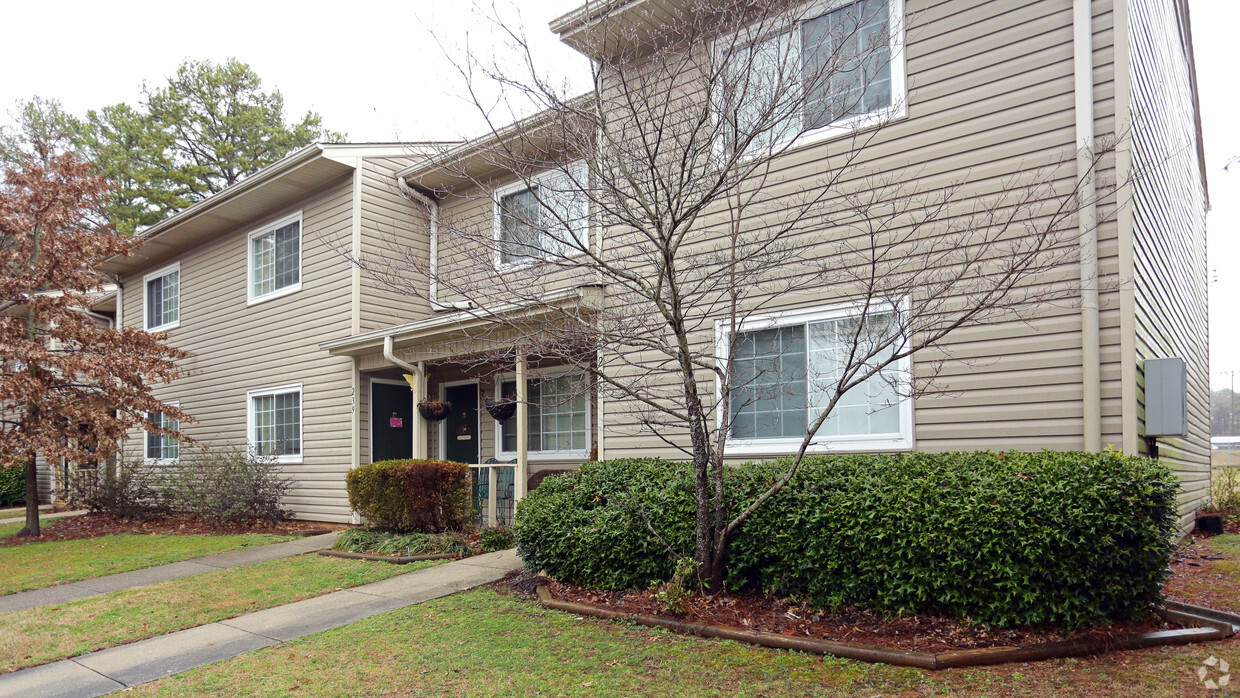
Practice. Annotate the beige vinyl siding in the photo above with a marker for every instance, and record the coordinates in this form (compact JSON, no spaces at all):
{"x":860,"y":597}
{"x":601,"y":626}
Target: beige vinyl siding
{"x":238,"y":348}
{"x":1169,"y":229}
{"x":388,"y":218}
{"x":990,"y":94}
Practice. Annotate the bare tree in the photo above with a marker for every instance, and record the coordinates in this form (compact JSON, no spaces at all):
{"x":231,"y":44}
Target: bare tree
{"x":672,"y":187}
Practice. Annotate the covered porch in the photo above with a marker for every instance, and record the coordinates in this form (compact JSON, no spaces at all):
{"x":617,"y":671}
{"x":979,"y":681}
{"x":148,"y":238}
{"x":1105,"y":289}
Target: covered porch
{"x":423,"y":390}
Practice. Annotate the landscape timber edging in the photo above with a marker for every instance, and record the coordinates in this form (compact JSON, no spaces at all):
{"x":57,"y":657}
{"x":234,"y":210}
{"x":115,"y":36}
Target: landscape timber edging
{"x":1208,"y":629}
{"x":402,"y":560}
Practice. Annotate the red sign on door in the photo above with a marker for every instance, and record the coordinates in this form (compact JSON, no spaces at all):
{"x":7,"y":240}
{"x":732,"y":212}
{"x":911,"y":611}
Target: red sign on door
{"x":396,"y":422}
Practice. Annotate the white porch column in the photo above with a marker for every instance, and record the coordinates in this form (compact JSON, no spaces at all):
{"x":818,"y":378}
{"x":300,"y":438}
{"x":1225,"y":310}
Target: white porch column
{"x":420,"y":437}
{"x":521,"y":476}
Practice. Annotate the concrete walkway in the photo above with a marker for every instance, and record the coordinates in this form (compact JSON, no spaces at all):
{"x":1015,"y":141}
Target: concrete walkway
{"x":162,"y":573}
{"x":43,"y":517}
{"x":113,"y":669}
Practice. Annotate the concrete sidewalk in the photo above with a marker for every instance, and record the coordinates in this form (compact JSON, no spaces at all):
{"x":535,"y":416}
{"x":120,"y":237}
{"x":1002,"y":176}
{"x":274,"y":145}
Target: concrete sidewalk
{"x":162,"y":573}
{"x":43,"y":516}
{"x":113,"y":669}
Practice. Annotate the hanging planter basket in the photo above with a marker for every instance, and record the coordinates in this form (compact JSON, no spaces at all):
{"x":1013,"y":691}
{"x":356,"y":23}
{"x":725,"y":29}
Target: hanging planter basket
{"x":434,"y":410}
{"x":502,"y":410}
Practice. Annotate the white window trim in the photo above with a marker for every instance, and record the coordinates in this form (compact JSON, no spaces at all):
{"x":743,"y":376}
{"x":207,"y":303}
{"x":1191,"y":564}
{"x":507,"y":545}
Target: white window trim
{"x":146,"y":434}
{"x":581,"y":173}
{"x":821,"y":444}
{"x":899,"y":74}
{"x":146,"y":312}
{"x":252,"y":299}
{"x":301,"y":419}
{"x":570,"y":454}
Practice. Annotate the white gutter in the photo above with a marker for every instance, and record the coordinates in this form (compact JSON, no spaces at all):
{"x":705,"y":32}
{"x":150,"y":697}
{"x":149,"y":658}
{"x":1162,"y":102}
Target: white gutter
{"x":1087,"y":222}
{"x":432,"y":206}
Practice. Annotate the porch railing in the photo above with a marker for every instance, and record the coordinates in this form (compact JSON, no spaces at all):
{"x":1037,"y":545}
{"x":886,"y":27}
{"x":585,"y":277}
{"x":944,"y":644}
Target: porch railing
{"x":494,"y":493}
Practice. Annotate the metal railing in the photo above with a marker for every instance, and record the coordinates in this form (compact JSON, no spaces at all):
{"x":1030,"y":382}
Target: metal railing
{"x":494,"y":493}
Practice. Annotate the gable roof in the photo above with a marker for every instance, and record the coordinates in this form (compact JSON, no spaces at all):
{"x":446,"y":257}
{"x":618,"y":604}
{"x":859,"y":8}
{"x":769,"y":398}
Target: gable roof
{"x":276,"y":186}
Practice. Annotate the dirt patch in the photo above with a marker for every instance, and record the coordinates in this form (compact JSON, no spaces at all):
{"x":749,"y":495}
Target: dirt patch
{"x":922,"y":633}
{"x":1203,"y":576}
{"x":95,"y":525}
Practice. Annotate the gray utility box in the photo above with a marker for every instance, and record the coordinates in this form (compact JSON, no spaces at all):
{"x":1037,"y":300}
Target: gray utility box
{"x":1166,"y":397}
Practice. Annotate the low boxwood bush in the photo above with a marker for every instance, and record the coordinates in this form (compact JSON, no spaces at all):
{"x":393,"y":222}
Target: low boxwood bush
{"x":406,"y":496}
{"x":1065,"y":539}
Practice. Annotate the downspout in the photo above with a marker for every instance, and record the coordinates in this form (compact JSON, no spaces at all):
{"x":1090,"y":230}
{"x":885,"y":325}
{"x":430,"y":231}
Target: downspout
{"x":1087,"y":222}
{"x":416,"y":378}
{"x":433,"y":207}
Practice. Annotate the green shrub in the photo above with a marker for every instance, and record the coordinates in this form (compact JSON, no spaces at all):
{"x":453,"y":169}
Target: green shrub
{"x":1065,"y":539}
{"x":590,"y":527}
{"x":12,"y":484}
{"x":412,"y":495}
{"x":360,"y":540}
{"x":493,"y":539}
{"x":226,"y":484}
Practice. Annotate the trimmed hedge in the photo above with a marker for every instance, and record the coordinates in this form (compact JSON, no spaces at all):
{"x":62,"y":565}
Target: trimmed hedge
{"x":406,"y":496}
{"x":1066,"y":539}
{"x":12,"y":484}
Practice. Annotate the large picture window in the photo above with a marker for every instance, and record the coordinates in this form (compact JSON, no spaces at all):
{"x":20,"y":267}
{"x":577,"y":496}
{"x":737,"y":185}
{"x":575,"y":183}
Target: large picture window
{"x":161,"y":447}
{"x":787,"y":368}
{"x":275,"y":259}
{"x":162,"y":299}
{"x":839,"y":60}
{"x":275,"y":423}
{"x":559,"y":416}
{"x":545,"y":218}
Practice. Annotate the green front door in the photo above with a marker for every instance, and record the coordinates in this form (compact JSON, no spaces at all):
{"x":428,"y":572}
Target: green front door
{"x":460,"y":431}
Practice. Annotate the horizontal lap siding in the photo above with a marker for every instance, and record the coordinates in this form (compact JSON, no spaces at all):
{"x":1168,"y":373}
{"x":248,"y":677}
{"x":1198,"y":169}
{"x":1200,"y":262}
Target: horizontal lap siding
{"x":238,"y":348}
{"x":1169,"y":229}
{"x":990,"y":95}
{"x":389,"y":221}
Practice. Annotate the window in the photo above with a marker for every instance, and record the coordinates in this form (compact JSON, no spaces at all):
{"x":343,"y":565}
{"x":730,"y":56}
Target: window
{"x":275,"y":259}
{"x":546,"y":219}
{"x":787,"y":367}
{"x":838,"y":62}
{"x":275,"y":423}
{"x":559,"y":416}
{"x":160,"y":447}
{"x":161,"y":292}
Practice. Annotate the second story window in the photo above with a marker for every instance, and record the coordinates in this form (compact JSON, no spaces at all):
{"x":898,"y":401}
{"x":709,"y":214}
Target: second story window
{"x":836,"y":64}
{"x":161,"y":292}
{"x":275,"y":259}
{"x":543,"y":219}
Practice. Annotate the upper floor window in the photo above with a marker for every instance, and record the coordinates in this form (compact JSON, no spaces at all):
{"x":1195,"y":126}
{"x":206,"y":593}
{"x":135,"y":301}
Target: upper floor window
{"x":787,"y":368}
{"x":275,"y":423}
{"x":837,"y":64}
{"x":161,"y":298}
{"x":161,"y":447}
{"x":558,"y":415}
{"x":275,"y":259}
{"x":545,"y":218}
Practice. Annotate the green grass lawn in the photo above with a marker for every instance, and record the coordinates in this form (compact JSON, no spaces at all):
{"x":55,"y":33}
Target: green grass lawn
{"x":40,"y":635}
{"x":487,"y":643}
{"x":36,"y":565}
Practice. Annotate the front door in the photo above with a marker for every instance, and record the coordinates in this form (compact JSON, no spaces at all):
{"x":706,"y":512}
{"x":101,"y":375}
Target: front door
{"x":391,"y":421}
{"x":460,"y":429}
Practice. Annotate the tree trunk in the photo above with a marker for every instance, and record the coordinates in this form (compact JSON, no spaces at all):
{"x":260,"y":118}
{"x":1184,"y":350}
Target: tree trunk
{"x":32,"y":498}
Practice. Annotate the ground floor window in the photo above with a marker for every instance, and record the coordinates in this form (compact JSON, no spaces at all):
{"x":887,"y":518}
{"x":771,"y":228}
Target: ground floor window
{"x":787,"y":368}
{"x":160,"y":447}
{"x":275,"y":423}
{"x":559,"y":415}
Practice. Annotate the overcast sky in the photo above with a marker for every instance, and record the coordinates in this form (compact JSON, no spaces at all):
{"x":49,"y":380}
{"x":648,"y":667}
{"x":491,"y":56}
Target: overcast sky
{"x":374,"y":71}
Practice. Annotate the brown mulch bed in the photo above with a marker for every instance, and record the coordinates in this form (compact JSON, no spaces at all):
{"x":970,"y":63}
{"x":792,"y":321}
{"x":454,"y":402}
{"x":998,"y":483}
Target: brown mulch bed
{"x":95,"y":525}
{"x":1197,"y":579}
{"x":752,"y":611}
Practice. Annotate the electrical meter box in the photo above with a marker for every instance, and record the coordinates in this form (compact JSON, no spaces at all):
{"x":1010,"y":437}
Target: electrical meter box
{"x":1166,"y":397}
